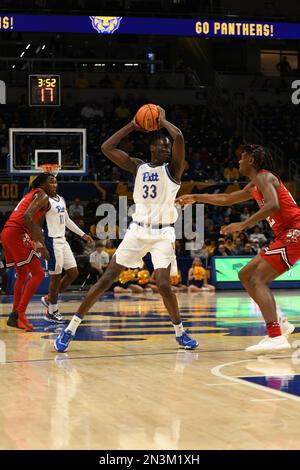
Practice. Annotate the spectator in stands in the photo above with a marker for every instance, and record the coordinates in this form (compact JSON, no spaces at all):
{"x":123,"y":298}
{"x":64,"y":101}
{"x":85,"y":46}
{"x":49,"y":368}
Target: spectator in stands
{"x":81,"y":224}
{"x":211,"y":246}
{"x":109,"y":248}
{"x":81,"y":82}
{"x":117,"y":82}
{"x":127,"y":283}
{"x":144,"y":280}
{"x":243,"y":237}
{"x":122,"y":112}
{"x":99,"y":261}
{"x":131,"y":82}
{"x":226,"y":221}
{"x":4,"y":149}
{"x":197,"y":278}
{"x":88,"y":111}
{"x":248,"y":250}
{"x":176,"y":283}
{"x":238,"y":249}
{"x":222,"y":250}
{"x":245,"y":214}
{"x":257,"y":235}
{"x":76,"y":208}
{"x":115,"y":174}
{"x":190,"y":81}
{"x":90,"y":212}
{"x":217,"y":216}
{"x":231,"y":173}
{"x":229,"y":243}
{"x":234,"y":214}
{"x":92,"y":230}
{"x":256,"y":247}
{"x":284,"y":67}
{"x":105,"y":82}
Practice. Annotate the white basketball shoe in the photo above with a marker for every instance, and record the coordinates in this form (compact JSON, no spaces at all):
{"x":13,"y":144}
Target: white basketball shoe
{"x":270,"y":345}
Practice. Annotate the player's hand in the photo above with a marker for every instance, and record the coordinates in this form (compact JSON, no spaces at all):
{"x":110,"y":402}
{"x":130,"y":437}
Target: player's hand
{"x":136,"y":126}
{"x":235,"y":227}
{"x":88,"y":239}
{"x":186,"y":199}
{"x":40,"y":247}
{"x":162,"y":116}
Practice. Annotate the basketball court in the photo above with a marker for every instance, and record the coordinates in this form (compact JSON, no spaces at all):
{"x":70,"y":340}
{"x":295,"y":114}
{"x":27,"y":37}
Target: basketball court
{"x":125,"y":385}
{"x":76,"y":91}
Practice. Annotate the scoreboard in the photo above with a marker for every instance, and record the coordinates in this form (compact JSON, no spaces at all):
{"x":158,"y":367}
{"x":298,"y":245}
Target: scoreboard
{"x":44,"y":90}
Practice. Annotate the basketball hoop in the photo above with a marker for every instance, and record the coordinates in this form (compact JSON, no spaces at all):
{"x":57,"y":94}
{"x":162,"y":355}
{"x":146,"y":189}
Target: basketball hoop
{"x":52,"y":168}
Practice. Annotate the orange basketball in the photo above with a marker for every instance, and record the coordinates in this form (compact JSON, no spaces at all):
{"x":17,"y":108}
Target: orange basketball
{"x":147,"y":117}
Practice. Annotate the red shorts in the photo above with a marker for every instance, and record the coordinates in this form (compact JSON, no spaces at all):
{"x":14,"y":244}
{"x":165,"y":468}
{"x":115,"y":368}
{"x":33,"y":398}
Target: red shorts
{"x":18,"y":246}
{"x":283,"y":253}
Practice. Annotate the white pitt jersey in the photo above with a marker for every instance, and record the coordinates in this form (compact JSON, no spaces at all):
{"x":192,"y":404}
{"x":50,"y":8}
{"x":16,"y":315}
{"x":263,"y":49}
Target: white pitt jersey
{"x":154,"y":195}
{"x":55,"y":219}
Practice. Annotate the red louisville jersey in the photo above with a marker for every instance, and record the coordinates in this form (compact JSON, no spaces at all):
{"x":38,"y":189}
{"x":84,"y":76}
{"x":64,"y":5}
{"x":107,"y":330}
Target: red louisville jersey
{"x":16,"y":219}
{"x":288,"y":215}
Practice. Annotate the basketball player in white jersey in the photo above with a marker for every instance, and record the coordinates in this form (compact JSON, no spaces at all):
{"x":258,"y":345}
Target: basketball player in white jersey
{"x":152,"y":228}
{"x":60,"y":254}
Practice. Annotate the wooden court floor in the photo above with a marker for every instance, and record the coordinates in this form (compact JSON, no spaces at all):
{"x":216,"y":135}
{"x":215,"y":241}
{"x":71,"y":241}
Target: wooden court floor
{"x":125,"y":385}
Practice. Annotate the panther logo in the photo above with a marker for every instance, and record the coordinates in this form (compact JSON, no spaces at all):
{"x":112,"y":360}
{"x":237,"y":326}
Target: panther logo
{"x":105,"y":24}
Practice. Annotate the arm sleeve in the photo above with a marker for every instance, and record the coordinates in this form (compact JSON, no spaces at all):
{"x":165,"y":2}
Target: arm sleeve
{"x":72,"y":226}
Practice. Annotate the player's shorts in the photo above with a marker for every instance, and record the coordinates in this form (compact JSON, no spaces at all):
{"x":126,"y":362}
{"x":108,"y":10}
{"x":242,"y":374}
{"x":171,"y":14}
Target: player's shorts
{"x":18,"y":247}
{"x":60,"y":255}
{"x":139,"y":241}
{"x":283,"y":253}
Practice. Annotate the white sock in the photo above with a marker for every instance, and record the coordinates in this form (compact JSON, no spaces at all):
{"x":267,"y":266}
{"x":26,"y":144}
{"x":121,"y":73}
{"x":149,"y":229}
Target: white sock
{"x":178,"y":329}
{"x":53,"y":308}
{"x":74,"y":324}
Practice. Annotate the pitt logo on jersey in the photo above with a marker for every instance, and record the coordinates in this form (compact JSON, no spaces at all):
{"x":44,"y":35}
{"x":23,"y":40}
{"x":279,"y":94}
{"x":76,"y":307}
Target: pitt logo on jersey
{"x":105,"y":24}
{"x":150,"y":176}
{"x":60,"y":209}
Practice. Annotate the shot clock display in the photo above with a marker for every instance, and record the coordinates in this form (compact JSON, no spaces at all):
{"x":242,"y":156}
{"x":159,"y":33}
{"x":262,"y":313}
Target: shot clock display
{"x":44,"y":90}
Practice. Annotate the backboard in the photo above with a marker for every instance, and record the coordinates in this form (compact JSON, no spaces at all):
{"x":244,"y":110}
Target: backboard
{"x":29,"y":148}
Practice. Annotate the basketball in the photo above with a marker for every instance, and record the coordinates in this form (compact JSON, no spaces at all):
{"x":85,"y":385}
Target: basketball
{"x":147,"y":117}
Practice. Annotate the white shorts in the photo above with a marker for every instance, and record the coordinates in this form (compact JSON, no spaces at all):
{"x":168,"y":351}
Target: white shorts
{"x":139,"y":241}
{"x":61,"y":255}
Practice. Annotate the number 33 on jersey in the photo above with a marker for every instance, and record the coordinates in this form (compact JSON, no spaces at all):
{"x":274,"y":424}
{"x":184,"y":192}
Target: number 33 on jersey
{"x":154,"y":195}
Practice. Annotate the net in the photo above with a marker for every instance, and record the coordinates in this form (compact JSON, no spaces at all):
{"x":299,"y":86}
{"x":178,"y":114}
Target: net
{"x":52,"y":168}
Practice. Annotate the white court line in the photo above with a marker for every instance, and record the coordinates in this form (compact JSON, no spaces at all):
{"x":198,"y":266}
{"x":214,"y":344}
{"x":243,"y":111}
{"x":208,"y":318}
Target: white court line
{"x":268,"y":399}
{"x":217,"y":372}
{"x":222,"y":383}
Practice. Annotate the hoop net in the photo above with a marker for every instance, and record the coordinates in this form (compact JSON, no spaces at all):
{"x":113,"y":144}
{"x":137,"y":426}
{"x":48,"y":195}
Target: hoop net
{"x":52,"y":168}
